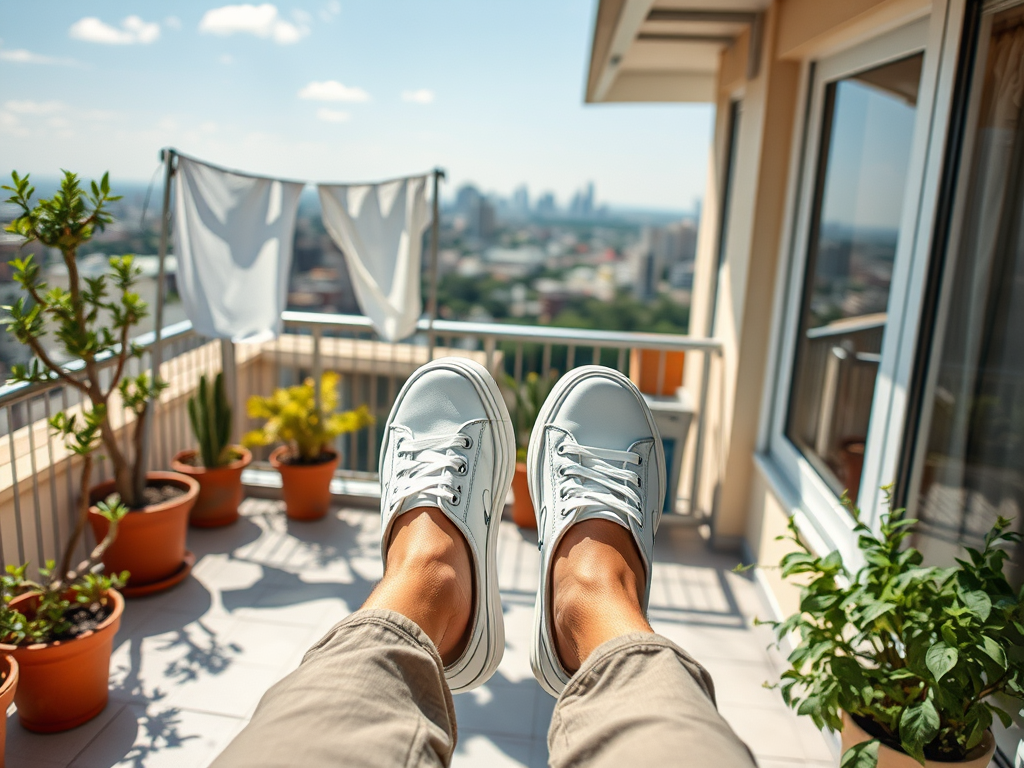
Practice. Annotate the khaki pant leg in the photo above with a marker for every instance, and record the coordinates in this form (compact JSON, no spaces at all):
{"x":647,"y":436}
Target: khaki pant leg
{"x":638,"y":701}
{"x":371,"y":693}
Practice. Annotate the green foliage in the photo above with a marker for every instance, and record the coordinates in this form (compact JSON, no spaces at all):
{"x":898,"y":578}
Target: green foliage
{"x":530,"y":395}
{"x":210,"y":415}
{"x":918,"y":651}
{"x":90,"y":320}
{"x":292,"y":417}
{"x":58,"y":593}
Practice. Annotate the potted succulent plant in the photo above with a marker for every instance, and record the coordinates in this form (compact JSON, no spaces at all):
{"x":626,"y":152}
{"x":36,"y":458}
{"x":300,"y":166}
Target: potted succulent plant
{"x":217,"y":465}
{"x":91,"y":321}
{"x":60,"y":630}
{"x":528,"y":397}
{"x":904,"y":659}
{"x":305,"y":461}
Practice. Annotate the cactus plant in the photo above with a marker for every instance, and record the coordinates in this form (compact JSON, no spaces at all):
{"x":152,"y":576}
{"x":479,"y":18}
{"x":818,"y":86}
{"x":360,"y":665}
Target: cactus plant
{"x":210,"y":414}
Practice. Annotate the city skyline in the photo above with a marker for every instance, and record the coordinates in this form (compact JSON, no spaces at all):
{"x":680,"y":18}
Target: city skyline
{"x":336,"y":91}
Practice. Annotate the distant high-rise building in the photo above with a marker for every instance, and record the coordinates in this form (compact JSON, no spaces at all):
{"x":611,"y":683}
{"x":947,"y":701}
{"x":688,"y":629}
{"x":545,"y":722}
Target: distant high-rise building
{"x":467,"y":198}
{"x":582,"y":205}
{"x":546,"y":205}
{"x":521,"y":200}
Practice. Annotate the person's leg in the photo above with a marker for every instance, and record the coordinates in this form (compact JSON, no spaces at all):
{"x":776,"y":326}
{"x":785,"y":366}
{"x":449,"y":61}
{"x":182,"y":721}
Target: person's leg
{"x":635,"y":698}
{"x":372,"y":692}
{"x":377,"y":689}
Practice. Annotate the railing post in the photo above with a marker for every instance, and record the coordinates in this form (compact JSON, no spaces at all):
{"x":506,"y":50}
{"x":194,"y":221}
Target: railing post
{"x":434,"y":235}
{"x":230,"y":372}
{"x":698,"y":448}
{"x":318,"y":365}
{"x":155,"y":355}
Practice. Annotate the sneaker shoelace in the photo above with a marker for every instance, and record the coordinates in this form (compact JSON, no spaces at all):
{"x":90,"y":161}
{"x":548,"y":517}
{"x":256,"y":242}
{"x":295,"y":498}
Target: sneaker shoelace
{"x":593,"y":481}
{"x":429,"y":467}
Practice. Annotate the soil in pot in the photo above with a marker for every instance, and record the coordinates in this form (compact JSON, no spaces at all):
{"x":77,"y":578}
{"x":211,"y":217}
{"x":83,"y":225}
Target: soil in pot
{"x":856,"y":730}
{"x":522,"y":506}
{"x":220,"y":488}
{"x":150,"y":542}
{"x":306,"y":487}
{"x":8,"y":687}
{"x":63,"y":683}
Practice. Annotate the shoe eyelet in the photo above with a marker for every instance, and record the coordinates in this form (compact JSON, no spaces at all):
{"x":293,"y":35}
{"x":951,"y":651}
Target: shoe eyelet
{"x":463,"y":468}
{"x":468,"y":442}
{"x":455,"y":499}
{"x":639,"y":461}
{"x":639,"y":483}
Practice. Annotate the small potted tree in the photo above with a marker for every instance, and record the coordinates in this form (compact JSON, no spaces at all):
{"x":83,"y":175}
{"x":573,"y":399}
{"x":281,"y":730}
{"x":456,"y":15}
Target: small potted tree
{"x":305,"y":461}
{"x":528,"y":397}
{"x":8,"y":687}
{"x":91,"y":321}
{"x":904,"y":659}
{"x":60,"y":630}
{"x":217,"y":465}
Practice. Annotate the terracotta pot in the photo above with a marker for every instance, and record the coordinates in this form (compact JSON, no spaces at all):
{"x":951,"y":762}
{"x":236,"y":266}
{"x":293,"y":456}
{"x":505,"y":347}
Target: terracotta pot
{"x":306,"y":487}
{"x":644,"y":365}
{"x":64,"y":683}
{"x":9,"y":670}
{"x":853,"y":734}
{"x":150,"y":542}
{"x":522,"y":506}
{"x":852,"y":452}
{"x":220,"y":488}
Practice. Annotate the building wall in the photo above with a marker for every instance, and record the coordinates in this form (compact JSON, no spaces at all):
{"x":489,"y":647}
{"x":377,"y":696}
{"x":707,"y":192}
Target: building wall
{"x":749,"y":504}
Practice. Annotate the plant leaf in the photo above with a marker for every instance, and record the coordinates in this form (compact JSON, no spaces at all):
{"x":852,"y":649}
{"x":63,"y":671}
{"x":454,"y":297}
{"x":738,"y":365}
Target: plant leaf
{"x":994,"y":651}
{"x":863,"y":755}
{"x":918,"y":725}
{"x":978,"y":603}
{"x":940,"y":659}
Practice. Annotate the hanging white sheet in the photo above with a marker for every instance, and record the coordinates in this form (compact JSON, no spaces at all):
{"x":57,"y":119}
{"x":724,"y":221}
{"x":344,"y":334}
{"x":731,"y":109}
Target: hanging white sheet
{"x":233,"y":240}
{"x":379,"y":228}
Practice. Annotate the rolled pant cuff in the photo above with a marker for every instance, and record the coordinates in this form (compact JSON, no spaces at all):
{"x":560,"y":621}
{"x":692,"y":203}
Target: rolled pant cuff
{"x":402,"y":627}
{"x":636,"y":642}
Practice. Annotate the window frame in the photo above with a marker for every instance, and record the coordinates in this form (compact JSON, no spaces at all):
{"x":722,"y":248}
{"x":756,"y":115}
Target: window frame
{"x":831,"y":524}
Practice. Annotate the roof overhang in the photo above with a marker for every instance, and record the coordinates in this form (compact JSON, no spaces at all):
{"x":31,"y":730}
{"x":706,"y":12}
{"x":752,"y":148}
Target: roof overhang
{"x":666,"y":50}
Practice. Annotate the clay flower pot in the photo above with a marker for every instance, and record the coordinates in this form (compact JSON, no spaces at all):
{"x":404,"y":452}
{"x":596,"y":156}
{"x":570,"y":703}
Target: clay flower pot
{"x":220,"y":488}
{"x":64,"y":683}
{"x":522,"y":506}
{"x":9,"y":671}
{"x":306,"y":487}
{"x":853,"y":734}
{"x":150,"y":542}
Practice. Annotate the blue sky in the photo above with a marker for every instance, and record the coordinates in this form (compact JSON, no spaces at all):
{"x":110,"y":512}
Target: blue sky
{"x":336,"y":90}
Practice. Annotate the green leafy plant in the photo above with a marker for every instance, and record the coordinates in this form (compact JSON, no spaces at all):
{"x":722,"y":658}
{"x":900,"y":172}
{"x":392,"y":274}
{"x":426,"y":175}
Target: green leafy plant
{"x":210,"y":415}
{"x":529,"y":396}
{"x":91,"y":320}
{"x":63,"y":587}
{"x":292,"y":417}
{"x":913,"y":653}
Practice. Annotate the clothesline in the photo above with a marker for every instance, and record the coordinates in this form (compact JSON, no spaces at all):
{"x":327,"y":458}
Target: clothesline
{"x":225,"y":169}
{"x":233,"y":236}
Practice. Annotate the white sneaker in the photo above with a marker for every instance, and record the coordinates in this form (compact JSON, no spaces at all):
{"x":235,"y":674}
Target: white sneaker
{"x":595,"y":452}
{"x":448,"y":444}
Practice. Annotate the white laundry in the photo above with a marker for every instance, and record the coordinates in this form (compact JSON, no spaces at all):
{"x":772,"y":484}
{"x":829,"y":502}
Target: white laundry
{"x":233,"y":240}
{"x":379,"y":228}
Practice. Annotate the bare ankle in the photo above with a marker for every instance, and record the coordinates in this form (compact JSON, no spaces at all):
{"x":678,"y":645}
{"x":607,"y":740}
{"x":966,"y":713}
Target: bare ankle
{"x":596,"y":587}
{"x":428,"y":578}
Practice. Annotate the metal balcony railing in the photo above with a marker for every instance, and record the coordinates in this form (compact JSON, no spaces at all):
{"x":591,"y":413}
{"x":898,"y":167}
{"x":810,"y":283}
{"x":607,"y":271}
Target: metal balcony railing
{"x":38,"y":477}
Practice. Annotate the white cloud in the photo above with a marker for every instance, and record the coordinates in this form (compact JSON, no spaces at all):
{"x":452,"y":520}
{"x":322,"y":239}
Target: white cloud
{"x":329,"y":11}
{"x":22,"y":56}
{"x":133,"y":30}
{"x":421,"y":96}
{"x":172,"y":22}
{"x":332,"y":115}
{"x":259,"y":20}
{"x":27,"y":107}
{"x":332,"y":90}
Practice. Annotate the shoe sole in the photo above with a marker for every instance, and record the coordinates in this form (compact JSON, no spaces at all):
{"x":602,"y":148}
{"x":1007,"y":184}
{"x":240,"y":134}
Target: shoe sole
{"x":470,"y":670}
{"x":543,"y":657}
